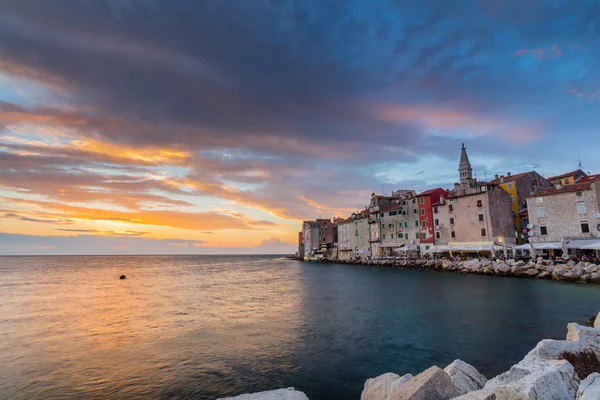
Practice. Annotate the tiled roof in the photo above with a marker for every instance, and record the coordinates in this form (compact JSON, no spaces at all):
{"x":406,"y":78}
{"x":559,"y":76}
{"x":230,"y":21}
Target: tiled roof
{"x":583,"y":184}
{"x":568,"y":174}
{"x":430,"y":191}
{"x":511,"y":178}
{"x":392,"y":208}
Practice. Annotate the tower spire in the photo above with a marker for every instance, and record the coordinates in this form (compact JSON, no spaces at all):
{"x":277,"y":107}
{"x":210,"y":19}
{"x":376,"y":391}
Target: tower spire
{"x":464,"y":168}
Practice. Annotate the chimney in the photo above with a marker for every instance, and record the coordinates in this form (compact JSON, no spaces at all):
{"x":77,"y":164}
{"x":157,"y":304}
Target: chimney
{"x":508,"y":174}
{"x":501,"y":178}
{"x":497,"y":176}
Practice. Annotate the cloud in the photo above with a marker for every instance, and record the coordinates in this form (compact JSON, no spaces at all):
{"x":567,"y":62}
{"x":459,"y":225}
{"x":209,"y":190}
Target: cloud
{"x":168,"y":113}
{"x":273,"y":243}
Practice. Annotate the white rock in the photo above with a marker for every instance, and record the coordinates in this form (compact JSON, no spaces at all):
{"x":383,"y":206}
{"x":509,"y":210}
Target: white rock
{"x":589,"y":389}
{"x":597,"y":321}
{"x":281,"y":394}
{"x":381,"y":388}
{"x":588,"y":336}
{"x":538,"y":380}
{"x":503,"y":268}
{"x":498,"y":393}
{"x":431,"y":384}
{"x":465,"y":377}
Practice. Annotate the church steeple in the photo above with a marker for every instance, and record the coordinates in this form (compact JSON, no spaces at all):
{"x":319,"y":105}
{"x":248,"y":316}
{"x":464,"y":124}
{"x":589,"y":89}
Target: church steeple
{"x":464,"y":168}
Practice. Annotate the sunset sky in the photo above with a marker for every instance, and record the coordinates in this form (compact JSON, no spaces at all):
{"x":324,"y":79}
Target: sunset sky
{"x":141,"y":126}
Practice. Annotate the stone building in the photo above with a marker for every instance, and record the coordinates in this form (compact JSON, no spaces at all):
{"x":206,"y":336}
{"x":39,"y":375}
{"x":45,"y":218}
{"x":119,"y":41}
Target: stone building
{"x":519,"y":187}
{"x":569,"y":212}
{"x":353,"y":236}
{"x":379,"y":209}
{"x":300,"y":244}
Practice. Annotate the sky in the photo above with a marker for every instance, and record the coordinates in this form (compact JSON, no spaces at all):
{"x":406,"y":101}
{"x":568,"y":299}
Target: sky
{"x":196,"y":127}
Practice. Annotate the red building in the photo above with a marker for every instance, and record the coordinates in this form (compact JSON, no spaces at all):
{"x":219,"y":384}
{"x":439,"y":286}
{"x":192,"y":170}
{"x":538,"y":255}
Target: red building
{"x":426,"y":218}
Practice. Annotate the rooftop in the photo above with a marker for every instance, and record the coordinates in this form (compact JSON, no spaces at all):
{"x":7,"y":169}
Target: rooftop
{"x":568,"y":174}
{"x":511,"y":178}
{"x":583,"y":184}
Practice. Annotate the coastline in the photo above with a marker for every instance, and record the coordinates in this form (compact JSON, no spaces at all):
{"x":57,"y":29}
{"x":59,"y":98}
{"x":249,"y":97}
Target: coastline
{"x":580,"y":272}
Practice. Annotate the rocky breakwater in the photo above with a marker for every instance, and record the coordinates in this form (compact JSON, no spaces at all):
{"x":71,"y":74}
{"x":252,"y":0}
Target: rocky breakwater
{"x":540,"y":269}
{"x":554,"y":370}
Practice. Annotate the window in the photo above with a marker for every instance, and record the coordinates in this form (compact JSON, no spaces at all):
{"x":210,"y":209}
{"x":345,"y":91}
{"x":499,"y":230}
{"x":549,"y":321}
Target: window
{"x":406,"y":236}
{"x":424,"y":223}
{"x":481,"y":217}
{"x":514,"y":213}
{"x":453,"y":234}
{"x":435,"y":210}
{"x":581,"y":208}
{"x":406,"y":224}
{"x":417,"y":235}
{"x":390,"y":225}
{"x":450,"y":208}
{"x":479,"y":203}
{"x":422,"y":199}
{"x":416,"y":211}
{"x":383,"y":236}
{"x":543,"y":230}
{"x":512,"y":199}
{"x":541,"y":212}
{"x":417,"y":222}
{"x":382,"y":215}
{"x":579,"y":194}
{"x":510,"y":186}
{"x":422,"y":211}
{"x":437,"y":235}
{"x":356,"y":232}
{"x":423,"y":236}
{"x":483,"y":232}
{"x":414,"y":201}
{"x":567,"y":181}
{"x":483,"y":188}
{"x":437,"y":222}
{"x":403,"y":212}
{"x":391,"y":236}
{"x":585,"y":227}
{"x":451,"y":221}
{"x":403,"y":202}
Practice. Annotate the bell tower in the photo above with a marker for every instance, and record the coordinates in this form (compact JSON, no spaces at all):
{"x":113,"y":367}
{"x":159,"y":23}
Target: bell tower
{"x":464,"y":168}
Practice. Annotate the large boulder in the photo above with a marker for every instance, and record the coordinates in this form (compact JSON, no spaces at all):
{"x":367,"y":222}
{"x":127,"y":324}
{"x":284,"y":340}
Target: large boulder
{"x":587,"y":337}
{"x":382,"y":387}
{"x":431,"y":384}
{"x":502,"y":268}
{"x":589,"y":388}
{"x":537,"y":380}
{"x":465,"y":377}
{"x":591,"y":268}
{"x":281,"y":394}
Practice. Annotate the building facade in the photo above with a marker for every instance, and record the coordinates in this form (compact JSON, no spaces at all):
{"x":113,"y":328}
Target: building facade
{"x":353,"y":236}
{"x":570,"y":213}
{"x":519,"y":187}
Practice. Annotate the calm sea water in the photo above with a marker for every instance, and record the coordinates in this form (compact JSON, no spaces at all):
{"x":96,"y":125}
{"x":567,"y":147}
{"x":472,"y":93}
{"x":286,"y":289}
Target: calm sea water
{"x":208,"y":326}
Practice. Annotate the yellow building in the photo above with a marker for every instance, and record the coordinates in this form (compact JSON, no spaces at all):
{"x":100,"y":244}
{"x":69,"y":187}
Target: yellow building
{"x":519,"y":187}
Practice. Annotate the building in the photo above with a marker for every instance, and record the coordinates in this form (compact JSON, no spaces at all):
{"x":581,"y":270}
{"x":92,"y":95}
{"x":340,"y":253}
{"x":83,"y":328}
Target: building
{"x":300,"y":244}
{"x":475,"y":214}
{"x":317,"y":235}
{"x":379,"y":207}
{"x":570,"y":213}
{"x":519,"y":187}
{"x":353,"y":236}
{"x":570,"y":178}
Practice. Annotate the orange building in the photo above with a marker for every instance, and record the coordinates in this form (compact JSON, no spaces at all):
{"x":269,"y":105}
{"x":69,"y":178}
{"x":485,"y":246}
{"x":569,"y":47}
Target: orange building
{"x":570,"y":178}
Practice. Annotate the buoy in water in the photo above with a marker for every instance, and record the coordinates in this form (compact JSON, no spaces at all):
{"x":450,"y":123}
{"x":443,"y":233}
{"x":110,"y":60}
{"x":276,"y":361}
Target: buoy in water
{"x":122,"y":277}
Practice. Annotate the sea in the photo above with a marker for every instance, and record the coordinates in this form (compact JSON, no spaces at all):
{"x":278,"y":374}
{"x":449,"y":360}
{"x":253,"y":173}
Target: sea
{"x":204,"y":327}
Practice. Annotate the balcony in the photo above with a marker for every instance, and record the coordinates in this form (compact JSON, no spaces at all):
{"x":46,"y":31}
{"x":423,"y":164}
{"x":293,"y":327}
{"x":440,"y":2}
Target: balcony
{"x":376,"y":240}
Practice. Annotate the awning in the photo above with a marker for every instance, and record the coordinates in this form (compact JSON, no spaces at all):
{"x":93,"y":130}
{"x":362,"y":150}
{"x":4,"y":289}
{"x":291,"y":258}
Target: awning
{"x":525,"y":246}
{"x":592,"y":246}
{"x":580,"y":243}
{"x":547,"y":246}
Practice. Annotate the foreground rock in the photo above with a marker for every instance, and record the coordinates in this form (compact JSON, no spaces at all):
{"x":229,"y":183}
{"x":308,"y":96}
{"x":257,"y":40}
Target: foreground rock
{"x":432,"y":384}
{"x":465,"y":377}
{"x":589,"y":389}
{"x":382,"y":387}
{"x":281,"y":394}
